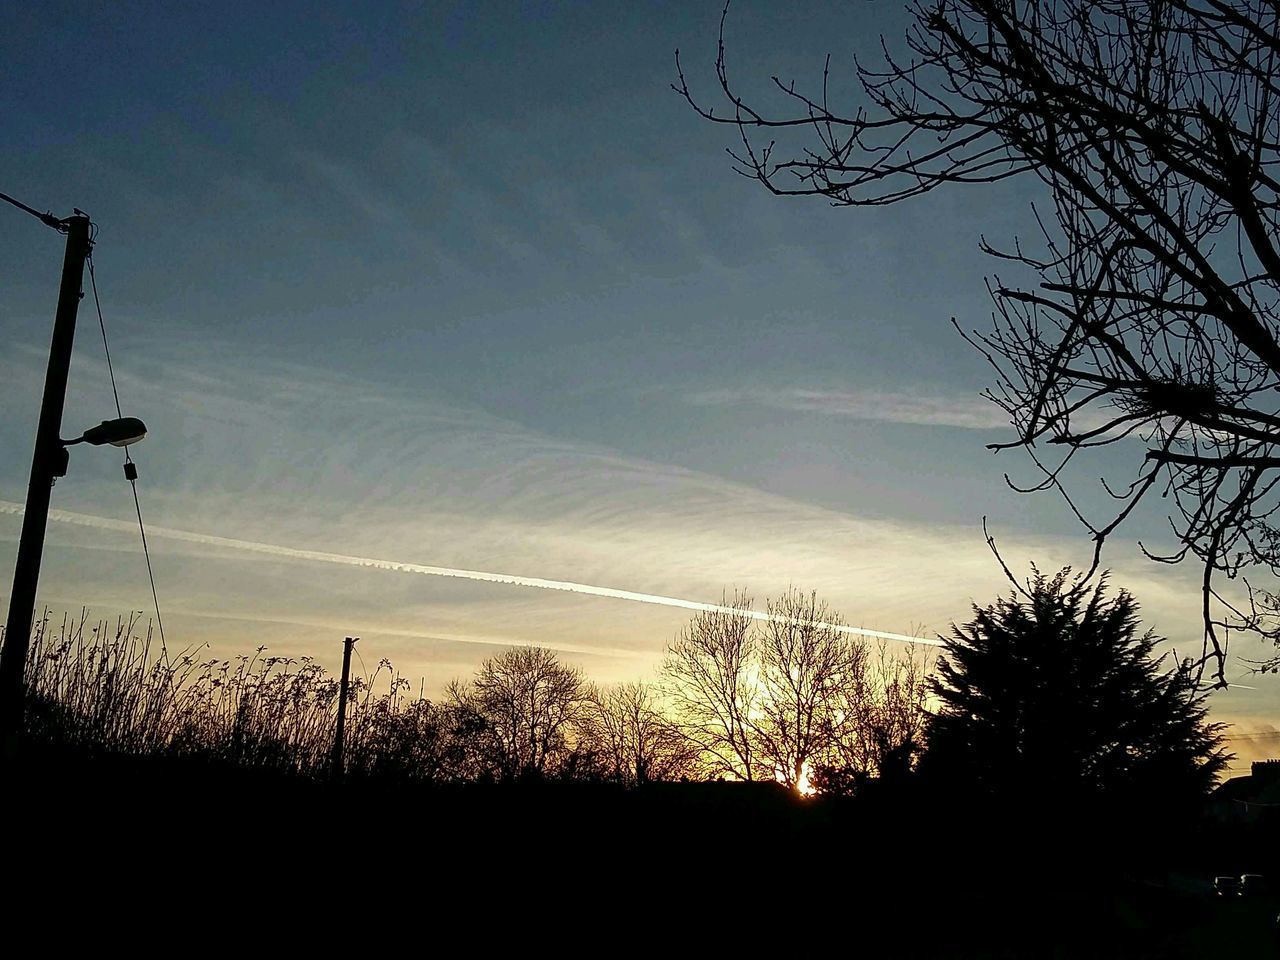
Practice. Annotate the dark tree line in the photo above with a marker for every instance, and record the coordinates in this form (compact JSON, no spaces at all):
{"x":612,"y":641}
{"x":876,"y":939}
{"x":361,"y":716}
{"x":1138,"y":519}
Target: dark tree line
{"x":1054,"y":692}
{"x":1051,"y":692}
{"x":788,"y":697}
{"x":527,"y":716}
{"x":1145,"y":308}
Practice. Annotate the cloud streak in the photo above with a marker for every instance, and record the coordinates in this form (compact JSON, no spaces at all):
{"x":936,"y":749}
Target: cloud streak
{"x":972,"y":413}
{"x":398,"y":566}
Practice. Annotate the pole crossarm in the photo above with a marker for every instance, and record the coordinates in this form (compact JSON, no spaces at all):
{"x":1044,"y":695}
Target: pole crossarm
{"x":47,"y":218}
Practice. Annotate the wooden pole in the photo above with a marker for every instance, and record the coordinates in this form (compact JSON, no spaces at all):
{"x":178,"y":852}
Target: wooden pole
{"x":45,"y":465}
{"x":335,"y":767}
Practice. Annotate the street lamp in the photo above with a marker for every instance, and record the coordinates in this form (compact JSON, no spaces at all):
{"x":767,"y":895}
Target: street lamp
{"x":118,"y":433}
{"x":47,"y":464}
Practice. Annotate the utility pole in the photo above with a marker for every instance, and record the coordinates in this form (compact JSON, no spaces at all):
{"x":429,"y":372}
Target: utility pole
{"x":335,"y":766}
{"x":45,"y":466}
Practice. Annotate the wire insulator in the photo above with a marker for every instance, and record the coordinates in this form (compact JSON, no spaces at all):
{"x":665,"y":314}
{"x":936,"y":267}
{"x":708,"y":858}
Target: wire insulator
{"x":130,"y":471}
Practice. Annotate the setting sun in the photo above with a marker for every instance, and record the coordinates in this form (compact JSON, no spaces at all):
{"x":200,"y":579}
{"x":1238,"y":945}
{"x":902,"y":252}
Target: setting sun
{"x":804,"y":786}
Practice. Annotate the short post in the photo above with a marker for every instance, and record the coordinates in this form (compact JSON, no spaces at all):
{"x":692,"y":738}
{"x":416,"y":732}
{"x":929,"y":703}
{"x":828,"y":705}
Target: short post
{"x":335,"y":766}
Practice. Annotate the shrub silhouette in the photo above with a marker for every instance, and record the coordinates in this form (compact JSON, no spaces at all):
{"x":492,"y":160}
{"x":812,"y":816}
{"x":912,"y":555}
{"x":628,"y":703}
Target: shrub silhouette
{"x":1054,"y":697}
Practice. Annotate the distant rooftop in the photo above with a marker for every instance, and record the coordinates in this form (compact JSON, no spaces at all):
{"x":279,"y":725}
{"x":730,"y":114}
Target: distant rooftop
{"x":1266,"y":771}
{"x":1262,"y":787}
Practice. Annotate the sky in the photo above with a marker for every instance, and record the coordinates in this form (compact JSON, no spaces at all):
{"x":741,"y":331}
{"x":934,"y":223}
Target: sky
{"x":468,"y":285}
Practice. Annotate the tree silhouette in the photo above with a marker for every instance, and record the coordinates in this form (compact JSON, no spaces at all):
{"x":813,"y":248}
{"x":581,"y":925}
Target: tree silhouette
{"x":1148,"y":306}
{"x":765,"y":698}
{"x":882,"y":727}
{"x":707,"y":679}
{"x":525,"y":707}
{"x":635,"y":744}
{"x":804,"y":663}
{"x":1055,"y":695}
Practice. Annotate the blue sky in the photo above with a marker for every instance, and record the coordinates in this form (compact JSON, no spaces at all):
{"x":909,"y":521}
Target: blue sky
{"x":468,"y":284}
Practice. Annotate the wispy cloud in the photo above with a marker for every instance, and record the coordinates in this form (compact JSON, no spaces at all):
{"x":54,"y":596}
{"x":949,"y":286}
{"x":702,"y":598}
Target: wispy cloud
{"x":298,"y":480}
{"x":968,"y":412}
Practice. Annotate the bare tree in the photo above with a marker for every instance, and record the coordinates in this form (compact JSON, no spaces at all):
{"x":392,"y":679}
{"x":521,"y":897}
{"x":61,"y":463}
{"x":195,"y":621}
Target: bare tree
{"x":883,"y":720}
{"x":766,"y":696}
{"x":708,"y":681}
{"x":635,"y":742}
{"x":1150,"y":307}
{"x":805,"y":661}
{"x":528,"y":705}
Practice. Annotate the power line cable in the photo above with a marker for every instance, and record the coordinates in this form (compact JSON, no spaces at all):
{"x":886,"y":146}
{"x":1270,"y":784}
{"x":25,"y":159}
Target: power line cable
{"x":130,"y":468}
{"x":106,"y":348}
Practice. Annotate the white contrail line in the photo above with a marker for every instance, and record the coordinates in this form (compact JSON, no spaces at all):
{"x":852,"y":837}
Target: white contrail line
{"x":319,"y":556}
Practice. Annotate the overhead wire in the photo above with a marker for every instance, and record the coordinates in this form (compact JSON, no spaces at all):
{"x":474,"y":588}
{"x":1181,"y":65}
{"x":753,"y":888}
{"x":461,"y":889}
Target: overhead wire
{"x":363,"y":669}
{"x":130,"y":468}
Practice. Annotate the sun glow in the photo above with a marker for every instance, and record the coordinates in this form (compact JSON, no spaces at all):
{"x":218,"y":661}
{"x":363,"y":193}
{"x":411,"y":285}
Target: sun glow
{"x":804,"y":786}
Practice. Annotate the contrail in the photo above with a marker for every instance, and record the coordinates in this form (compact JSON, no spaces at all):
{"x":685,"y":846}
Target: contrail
{"x":320,"y":556}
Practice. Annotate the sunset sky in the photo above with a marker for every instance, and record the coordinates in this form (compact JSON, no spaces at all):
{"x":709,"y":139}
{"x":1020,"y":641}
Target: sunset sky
{"x":467,"y":285}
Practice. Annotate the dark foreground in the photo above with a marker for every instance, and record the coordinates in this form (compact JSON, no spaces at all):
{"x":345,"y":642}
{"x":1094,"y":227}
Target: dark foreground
{"x":573,"y":867}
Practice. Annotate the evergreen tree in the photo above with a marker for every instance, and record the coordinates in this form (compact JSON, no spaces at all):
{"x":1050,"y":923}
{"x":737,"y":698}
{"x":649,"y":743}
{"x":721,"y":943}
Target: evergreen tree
{"x":1054,"y":696}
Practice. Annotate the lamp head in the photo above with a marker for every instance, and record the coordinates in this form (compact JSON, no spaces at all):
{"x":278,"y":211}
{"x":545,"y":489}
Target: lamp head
{"x":118,"y":433}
